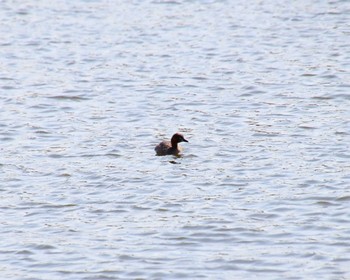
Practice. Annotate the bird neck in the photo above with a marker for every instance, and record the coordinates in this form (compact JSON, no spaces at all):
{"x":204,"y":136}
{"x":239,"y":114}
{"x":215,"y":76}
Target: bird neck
{"x":174,"y":143}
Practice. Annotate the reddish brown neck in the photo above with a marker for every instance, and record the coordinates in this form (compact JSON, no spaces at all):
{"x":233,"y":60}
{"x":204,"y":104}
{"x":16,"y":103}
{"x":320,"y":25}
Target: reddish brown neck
{"x":174,"y":143}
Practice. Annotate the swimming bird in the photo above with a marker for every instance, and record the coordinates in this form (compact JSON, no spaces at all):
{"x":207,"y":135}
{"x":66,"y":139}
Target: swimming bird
{"x":170,"y":147}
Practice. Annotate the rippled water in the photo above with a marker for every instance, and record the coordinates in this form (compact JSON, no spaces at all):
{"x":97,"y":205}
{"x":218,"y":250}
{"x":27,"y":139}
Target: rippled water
{"x":261,"y":89}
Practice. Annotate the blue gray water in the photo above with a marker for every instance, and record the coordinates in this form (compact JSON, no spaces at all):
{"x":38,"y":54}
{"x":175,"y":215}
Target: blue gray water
{"x":261,"y":89}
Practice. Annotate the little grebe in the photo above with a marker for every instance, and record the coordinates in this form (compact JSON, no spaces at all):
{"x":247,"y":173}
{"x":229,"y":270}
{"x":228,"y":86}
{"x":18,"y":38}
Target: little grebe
{"x":170,"y":147}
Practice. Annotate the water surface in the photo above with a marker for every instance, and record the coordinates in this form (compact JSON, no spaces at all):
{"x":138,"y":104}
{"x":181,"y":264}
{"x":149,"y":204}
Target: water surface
{"x":260,"y":90}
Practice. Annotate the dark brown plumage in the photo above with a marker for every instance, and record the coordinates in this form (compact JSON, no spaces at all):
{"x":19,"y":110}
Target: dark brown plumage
{"x":170,"y":147}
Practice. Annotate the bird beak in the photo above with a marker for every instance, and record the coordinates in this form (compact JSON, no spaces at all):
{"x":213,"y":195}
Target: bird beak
{"x":183,"y":139}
